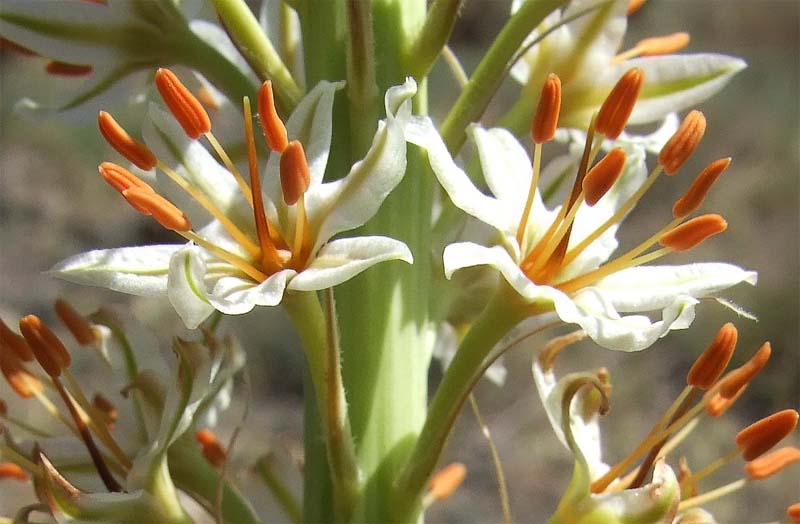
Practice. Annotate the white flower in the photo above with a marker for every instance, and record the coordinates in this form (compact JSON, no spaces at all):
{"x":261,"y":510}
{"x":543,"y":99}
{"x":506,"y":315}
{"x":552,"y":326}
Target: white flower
{"x":202,"y":276}
{"x":577,"y":284}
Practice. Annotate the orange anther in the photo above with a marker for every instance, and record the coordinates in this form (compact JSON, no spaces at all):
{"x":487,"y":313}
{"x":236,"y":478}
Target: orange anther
{"x":545,"y":121}
{"x":446,"y":481}
{"x":295,"y":177}
{"x":133,"y":150}
{"x":602,"y":176}
{"x":47,"y":348}
{"x":183,"y":105}
{"x":662,"y":45}
{"x":15,"y":343}
{"x":793,"y":512}
{"x":759,"y":437}
{"x":54,"y":67}
{"x":693,"y":232}
{"x":772,"y":463}
{"x":16,"y":48}
{"x":120,"y":178}
{"x":212,"y":449}
{"x":9,"y":470}
{"x":21,"y":381}
{"x":717,"y":405}
{"x":159,"y":207}
{"x":634,"y":5}
{"x":618,"y":105}
{"x":731,"y":383}
{"x":76,"y":323}
{"x":712,"y":363}
{"x":106,"y":407}
{"x":683,"y":143}
{"x":694,"y":196}
{"x":274,"y":129}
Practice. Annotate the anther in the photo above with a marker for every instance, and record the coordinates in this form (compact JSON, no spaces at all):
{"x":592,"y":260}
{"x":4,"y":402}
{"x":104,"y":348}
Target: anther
{"x":717,"y":405}
{"x":16,"y":343}
{"x":545,"y":121}
{"x":662,"y":45}
{"x":602,"y":176}
{"x":633,"y":6}
{"x":295,"y":177}
{"x":106,"y":408}
{"x":54,"y":67}
{"x":9,"y":470}
{"x":793,"y":512}
{"x":759,"y":437}
{"x":683,"y":143}
{"x":712,"y":363}
{"x":21,"y":381}
{"x":76,"y":323}
{"x":47,"y":348}
{"x":694,"y":196}
{"x":211,"y":447}
{"x":16,"y":48}
{"x":446,"y":481}
{"x":769,"y":465}
{"x":183,"y":105}
{"x":133,"y":150}
{"x":274,"y":129}
{"x":731,"y":383}
{"x":618,"y":105}
{"x":120,"y":178}
{"x":693,"y":232}
{"x":160,"y":208}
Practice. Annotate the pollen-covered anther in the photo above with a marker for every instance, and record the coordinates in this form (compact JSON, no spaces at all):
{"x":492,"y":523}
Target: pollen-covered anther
{"x":160,"y":208}
{"x":212,"y":450}
{"x":759,"y":437}
{"x":15,"y":343}
{"x":183,"y":105}
{"x":127,"y":146}
{"x":683,"y":143}
{"x":295,"y":177}
{"x":545,"y":120}
{"x":710,"y":365}
{"x":21,"y":381}
{"x":9,"y":470}
{"x":618,"y":105}
{"x":274,"y":129}
{"x":47,"y":347}
{"x":693,"y":232}
{"x":602,"y":176}
{"x":662,"y":45}
{"x":734,"y":381}
{"x":106,"y":408}
{"x":54,"y":67}
{"x":81,"y":329}
{"x":446,"y":481}
{"x":772,"y":463}
{"x":694,"y":196}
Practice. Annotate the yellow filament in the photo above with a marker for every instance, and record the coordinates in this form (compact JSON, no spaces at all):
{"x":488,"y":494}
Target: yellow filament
{"x":714,"y":494}
{"x":523,"y":223}
{"x":53,"y":410}
{"x":231,"y":167}
{"x":227,"y":256}
{"x":237,"y":234}
{"x":625,"y":55}
{"x":714,"y":466}
{"x":641,"y":248}
{"x":612,"y":267}
{"x":556,"y":239}
{"x":20,"y":460}
{"x":299,"y":228}
{"x":25,"y":426}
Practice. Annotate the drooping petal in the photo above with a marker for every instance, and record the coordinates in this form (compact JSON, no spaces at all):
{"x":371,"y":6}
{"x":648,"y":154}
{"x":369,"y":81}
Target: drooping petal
{"x":342,"y":259}
{"x":186,"y":289}
{"x":235,"y":295}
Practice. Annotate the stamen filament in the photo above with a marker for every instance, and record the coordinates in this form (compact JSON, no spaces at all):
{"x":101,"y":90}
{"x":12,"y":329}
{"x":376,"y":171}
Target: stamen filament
{"x":714,"y":494}
{"x":54,"y":411}
{"x":231,"y":167}
{"x":25,"y":426}
{"x":714,"y":466}
{"x":556,"y":239}
{"x":523,"y":223}
{"x":608,"y":269}
{"x":225,"y":255}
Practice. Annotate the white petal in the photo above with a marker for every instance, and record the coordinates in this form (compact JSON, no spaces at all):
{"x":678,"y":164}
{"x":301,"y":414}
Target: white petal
{"x":342,"y":259}
{"x":135,"y":270}
{"x":505,"y":164}
{"x":236,"y":296}
{"x":186,"y":289}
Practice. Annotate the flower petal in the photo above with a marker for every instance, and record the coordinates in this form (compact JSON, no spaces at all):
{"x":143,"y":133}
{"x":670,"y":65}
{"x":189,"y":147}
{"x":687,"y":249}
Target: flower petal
{"x":505,"y":165}
{"x":236,"y":296}
{"x":186,"y":288}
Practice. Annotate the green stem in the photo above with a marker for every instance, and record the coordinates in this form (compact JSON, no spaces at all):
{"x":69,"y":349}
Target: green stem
{"x":492,"y":69}
{"x":361,"y":88}
{"x":428,"y":45}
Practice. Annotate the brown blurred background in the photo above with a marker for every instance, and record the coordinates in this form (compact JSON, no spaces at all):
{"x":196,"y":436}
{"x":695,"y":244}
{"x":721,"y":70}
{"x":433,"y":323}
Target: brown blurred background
{"x":53,"y":205}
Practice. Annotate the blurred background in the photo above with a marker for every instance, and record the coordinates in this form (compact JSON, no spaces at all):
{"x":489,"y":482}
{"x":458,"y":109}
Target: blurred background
{"x":53,"y":205}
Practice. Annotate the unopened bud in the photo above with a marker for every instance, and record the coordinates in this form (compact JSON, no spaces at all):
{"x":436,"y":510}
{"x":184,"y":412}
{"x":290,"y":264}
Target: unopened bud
{"x":712,"y":363}
{"x":211,"y":447}
{"x":9,"y":470}
{"x":618,"y":105}
{"x":769,"y":465}
{"x":183,"y":105}
{"x":602,"y":176}
{"x":14,"y":343}
{"x":759,"y":437}
{"x":160,"y":208}
{"x":274,"y":129}
{"x":446,"y":481}
{"x":545,"y":120}
{"x":693,"y":232}
{"x":731,"y":383}
{"x":47,"y":348}
{"x":683,"y":143}
{"x":127,"y":146}
{"x":81,"y":329}
{"x":295,"y":177}
{"x":662,"y":45}
{"x":694,"y":196}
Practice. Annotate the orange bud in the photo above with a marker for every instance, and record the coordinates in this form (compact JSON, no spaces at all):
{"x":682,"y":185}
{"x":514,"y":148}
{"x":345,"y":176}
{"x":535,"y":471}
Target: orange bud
{"x":683,"y":143}
{"x":159,"y":207}
{"x":76,"y":323}
{"x":772,"y":463}
{"x":545,"y":121}
{"x":54,"y":67}
{"x":212,"y":449}
{"x":618,"y":105}
{"x":47,"y":348}
{"x":295,"y":177}
{"x":731,"y":383}
{"x":274,"y":130}
{"x":602,"y":176}
{"x":759,"y":437}
{"x":662,"y":45}
{"x":712,"y":363}
{"x":21,"y":381}
{"x":183,"y":105}
{"x":634,"y":5}
{"x":693,"y":232}
{"x":15,"y":343}
{"x":133,"y":150}
{"x":793,"y":512}
{"x":717,"y":405}
{"x":446,"y":481}
{"x":9,"y":470}
{"x":697,"y":192}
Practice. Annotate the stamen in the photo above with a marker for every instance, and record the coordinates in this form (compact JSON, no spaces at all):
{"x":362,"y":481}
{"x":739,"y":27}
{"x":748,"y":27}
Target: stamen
{"x":730,"y":385}
{"x":15,"y":343}
{"x":694,"y":232}
{"x":712,"y":362}
{"x":243,"y":187}
{"x":274,"y":129}
{"x":554,"y":347}
{"x":712,"y":495}
{"x":295,"y":177}
{"x":446,"y":481}
{"x":769,"y":465}
{"x":793,"y":512}
{"x":183,"y":105}
{"x":24,"y":384}
{"x":120,"y":178}
{"x":683,"y":143}
{"x":717,"y":405}
{"x":618,"y":105}
{"x":16,"y":48}
{"x":133,"y":150}
{"x":759,"y":437}
{"x":54,"y":67}
{"x":659,"y":45}
{"x":162,"y":210}
{"x":211,"y":447}
{"x":81,"y":329}
{"x":9,"y":470}
{"x":106,"y":409}
{"x":47,"y":348}
{"x":634,"y":5}
{"x":227,"y":256}
{"x":694,"y":196}
{"x":602,"y":176}
{"x":545,"y":121}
